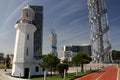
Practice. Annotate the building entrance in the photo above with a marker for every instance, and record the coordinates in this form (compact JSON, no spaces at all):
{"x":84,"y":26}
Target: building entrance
{"x":26,"y":72}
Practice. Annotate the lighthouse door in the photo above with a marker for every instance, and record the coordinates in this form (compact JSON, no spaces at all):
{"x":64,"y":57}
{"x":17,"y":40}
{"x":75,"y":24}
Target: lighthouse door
{"x":26,"y":72}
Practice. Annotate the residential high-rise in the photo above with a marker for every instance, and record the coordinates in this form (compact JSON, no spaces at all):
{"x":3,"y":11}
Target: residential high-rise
{"x":38,"y":35}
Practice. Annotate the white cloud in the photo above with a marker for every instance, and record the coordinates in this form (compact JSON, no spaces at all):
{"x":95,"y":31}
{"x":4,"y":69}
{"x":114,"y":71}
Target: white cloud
{"x":72,"y":9}
{"x":6,"y":41}
{"x":13,"y":14}
{"x":53,"y":7}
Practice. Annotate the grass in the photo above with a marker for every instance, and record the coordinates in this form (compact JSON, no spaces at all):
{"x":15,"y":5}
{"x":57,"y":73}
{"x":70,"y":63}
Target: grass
{"x":2,"y":66}
{"x":68,"y":76}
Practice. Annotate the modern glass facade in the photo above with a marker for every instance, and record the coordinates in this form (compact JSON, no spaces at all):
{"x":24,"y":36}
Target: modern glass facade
{"x":70,"y":51}
{"x":38,"y":35}
{"x":77,"y":48}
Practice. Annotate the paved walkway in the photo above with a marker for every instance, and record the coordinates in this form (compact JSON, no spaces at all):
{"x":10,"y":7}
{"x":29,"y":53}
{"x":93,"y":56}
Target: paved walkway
{"x":3,"y":75}
{"x":108,"y":73}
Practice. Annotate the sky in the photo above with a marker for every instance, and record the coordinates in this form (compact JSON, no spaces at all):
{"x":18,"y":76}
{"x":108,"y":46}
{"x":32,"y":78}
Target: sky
{"x":69,"y":18}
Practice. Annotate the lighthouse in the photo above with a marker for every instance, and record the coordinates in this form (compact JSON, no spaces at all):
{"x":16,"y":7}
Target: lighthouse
{"x":24,"y":64}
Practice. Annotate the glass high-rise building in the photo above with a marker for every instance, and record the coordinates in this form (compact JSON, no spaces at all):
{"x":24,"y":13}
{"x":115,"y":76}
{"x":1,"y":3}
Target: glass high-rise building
{"x":78,"y":48}
{"x":71,"y":50}
{"x":38,"y":35}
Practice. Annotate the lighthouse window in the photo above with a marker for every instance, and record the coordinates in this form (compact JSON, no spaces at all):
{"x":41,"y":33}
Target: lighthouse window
{"x":27,"y":51}
{"x":27,"y":36}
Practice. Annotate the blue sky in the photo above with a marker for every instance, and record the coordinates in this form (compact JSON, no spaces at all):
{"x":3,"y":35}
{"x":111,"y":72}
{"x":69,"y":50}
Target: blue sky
{"x":71,"y":22}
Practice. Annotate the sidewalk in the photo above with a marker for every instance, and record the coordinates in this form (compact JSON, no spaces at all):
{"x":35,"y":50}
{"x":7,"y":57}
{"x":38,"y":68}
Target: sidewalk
{"x":4,"y":75}
{"x":11,"y":78}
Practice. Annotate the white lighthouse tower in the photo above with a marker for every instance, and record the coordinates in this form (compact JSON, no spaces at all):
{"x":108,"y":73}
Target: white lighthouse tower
{"x":24,"y":65}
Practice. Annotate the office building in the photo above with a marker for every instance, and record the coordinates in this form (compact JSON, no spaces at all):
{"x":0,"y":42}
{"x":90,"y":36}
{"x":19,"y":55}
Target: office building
{"x":70,"y":51}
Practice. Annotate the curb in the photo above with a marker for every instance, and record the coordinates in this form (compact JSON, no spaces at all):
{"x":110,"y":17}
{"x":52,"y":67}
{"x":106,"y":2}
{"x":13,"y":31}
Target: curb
{"x":118,"y":74}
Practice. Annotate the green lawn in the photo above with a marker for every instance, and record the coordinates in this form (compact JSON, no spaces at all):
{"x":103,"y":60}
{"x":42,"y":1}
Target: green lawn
{"x":68,"y":76}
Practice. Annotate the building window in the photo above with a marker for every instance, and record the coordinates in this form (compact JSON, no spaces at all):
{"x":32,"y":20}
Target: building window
{"x":37,"y":69}
{"x":27,"y":51}
{"x":27,"y":36}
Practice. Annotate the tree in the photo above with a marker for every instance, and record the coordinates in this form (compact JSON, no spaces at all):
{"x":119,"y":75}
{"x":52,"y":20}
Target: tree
{"x":81,"y":58}
{"x":50,"y":61}
{"x":61,"y":67}
{"x":116,"y":55}
{"x":7,"y":62}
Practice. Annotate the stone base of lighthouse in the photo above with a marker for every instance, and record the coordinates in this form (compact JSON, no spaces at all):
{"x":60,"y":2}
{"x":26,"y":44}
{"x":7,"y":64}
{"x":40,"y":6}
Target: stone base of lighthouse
{"x":26,"y":69}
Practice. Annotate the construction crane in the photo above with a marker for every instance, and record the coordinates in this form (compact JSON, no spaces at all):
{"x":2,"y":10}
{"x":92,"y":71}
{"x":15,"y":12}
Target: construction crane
{"x":99,"y":28}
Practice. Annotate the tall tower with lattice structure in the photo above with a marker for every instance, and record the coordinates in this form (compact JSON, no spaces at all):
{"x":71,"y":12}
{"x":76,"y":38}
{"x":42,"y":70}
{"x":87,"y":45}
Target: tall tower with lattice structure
{"x":99,"y":29}
{"x":54,"y":42}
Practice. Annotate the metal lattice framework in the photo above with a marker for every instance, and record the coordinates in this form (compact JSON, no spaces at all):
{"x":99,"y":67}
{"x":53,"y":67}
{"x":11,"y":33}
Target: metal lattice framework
{"x":99,"y":29}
